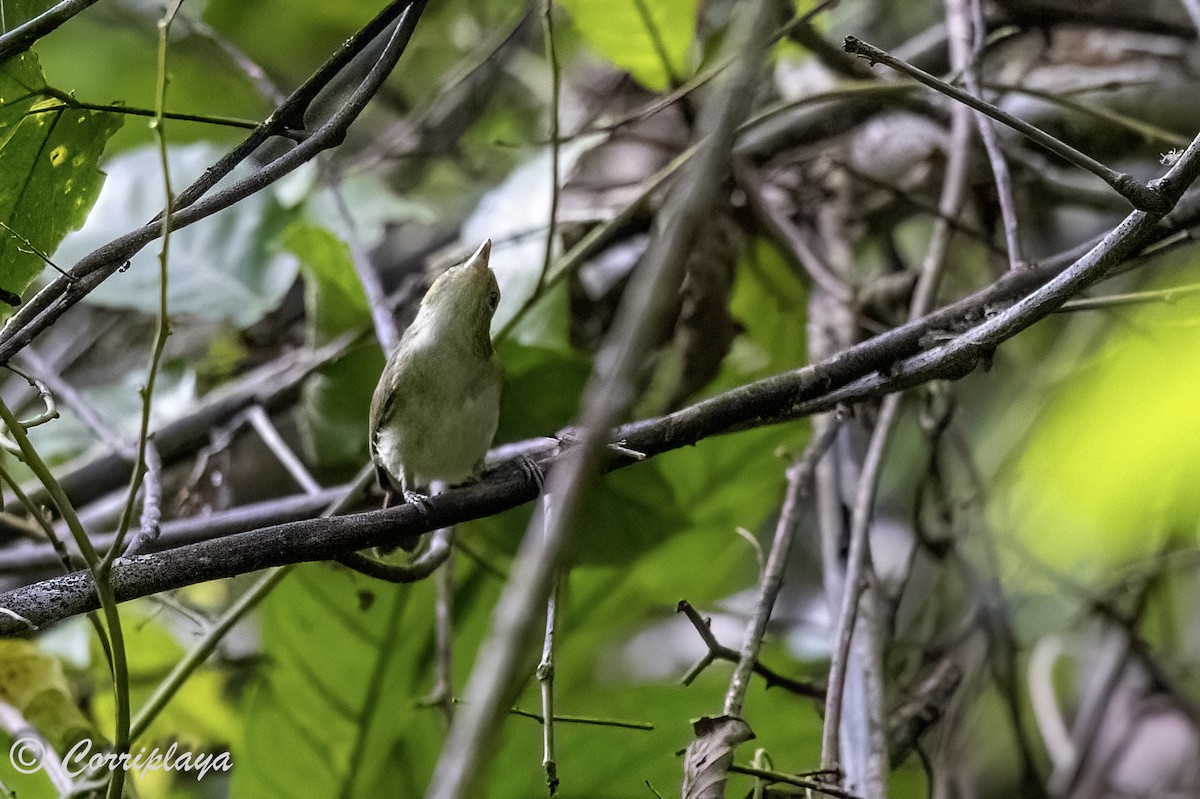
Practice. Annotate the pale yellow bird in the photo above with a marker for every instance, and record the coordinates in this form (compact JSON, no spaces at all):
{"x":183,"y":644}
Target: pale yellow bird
{"x":435,"y":410}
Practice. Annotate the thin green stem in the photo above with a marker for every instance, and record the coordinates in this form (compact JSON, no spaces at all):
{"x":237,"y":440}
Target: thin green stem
{"x":788,"y":779}
{"x":1129,"y":298}
{"x":67,"y":101}
{"x":116,"y":783}
{"x":593,"y":721}
{"x":114,"y":644}
{"x":1142,"y":128}
{"x":60,"y":549}
{"x":199,"y":653}
{"x":163,"y":329}
{"x":555,"y":145}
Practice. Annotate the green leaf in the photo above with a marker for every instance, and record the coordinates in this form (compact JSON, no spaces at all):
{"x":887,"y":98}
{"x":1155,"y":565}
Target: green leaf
{"x":200,"y":716}
{"x":334,"y":299}
{"x":649,"y":39}
{"x":223,"y":268}
{"x":34,"y":684}
{"x":541,"y":390}
{"x":336,"y":401}
{"x":18,"y":12}
{"x":48,"y":175}
{"x":334,"y":711}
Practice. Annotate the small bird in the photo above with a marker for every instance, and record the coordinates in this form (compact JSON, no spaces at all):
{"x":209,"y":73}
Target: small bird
{"x":435,"y":410}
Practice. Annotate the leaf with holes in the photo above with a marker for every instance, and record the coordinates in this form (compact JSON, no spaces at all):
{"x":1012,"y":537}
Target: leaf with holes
{"x":48,"y":174}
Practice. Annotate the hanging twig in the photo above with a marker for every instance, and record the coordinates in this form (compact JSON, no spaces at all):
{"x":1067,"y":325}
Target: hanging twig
{"x":1001,"y":176}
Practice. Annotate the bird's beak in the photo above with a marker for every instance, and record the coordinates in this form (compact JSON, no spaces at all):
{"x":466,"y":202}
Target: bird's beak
{"x":479,"y":259}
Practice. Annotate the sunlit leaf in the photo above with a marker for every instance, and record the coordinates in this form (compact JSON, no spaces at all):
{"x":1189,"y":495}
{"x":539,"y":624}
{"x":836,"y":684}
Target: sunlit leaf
{"x":650,"y":39}
{"x":1108,"y":471}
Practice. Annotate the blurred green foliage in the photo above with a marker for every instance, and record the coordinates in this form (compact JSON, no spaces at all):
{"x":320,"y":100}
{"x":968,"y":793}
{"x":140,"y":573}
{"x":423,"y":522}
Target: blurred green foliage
{"x":1089,"y":461}
{"x":1106,"y":472}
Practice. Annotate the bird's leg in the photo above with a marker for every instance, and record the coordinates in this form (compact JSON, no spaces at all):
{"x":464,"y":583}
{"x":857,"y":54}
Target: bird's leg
{"x":385,"y":482}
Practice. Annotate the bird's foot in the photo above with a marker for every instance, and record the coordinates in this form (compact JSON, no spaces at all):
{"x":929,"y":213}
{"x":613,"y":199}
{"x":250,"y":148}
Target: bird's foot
{"x":420,"y":502}
{"x":532,"y":470}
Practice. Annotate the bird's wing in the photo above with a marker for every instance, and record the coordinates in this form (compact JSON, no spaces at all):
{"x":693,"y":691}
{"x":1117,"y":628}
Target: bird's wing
{"x":383,"y":401}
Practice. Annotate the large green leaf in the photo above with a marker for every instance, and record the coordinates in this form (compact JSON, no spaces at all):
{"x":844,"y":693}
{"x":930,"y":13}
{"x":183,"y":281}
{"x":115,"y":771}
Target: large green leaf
{"x":336,"y":401}
{"x":48,"y":174}
{"x":649,"y":39}
{"x":227,"y":267}
{"x":334,"y":711}
{"x":200,"y":717}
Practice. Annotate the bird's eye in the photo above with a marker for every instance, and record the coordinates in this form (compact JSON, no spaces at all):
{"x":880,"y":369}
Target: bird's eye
{"x":493,"y":299}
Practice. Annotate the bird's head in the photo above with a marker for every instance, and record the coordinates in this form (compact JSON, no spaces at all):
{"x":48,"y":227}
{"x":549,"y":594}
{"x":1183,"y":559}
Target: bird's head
{"x":461,"y":302}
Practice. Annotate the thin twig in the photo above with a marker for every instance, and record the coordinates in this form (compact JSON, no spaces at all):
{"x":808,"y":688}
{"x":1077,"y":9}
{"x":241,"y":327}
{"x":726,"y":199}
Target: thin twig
{"x":792,"y":242}
{"x":1130,"y":298}
{"x":162,"y":328}
{"x":150,"y":523}
{"x":437,"y":553}
{"x":71,"y":398}
{"x":871,"y":754}
{"x":718,"y":651}
{"x":21,"y":37}
{"x":283,"y":453}
{"x":769,"y":584}
{"x":1002,"y":178}
{"x":591,"y":721}
{"x":545,"y":667}
{"x":545,"y":678}
{"x":1144,"y":198}
{"x":386,"y":331}
{"x":799,"y":782}
{"x":49,"y":406}
{"x":555,"y":145}
{"x":69,"y":102}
